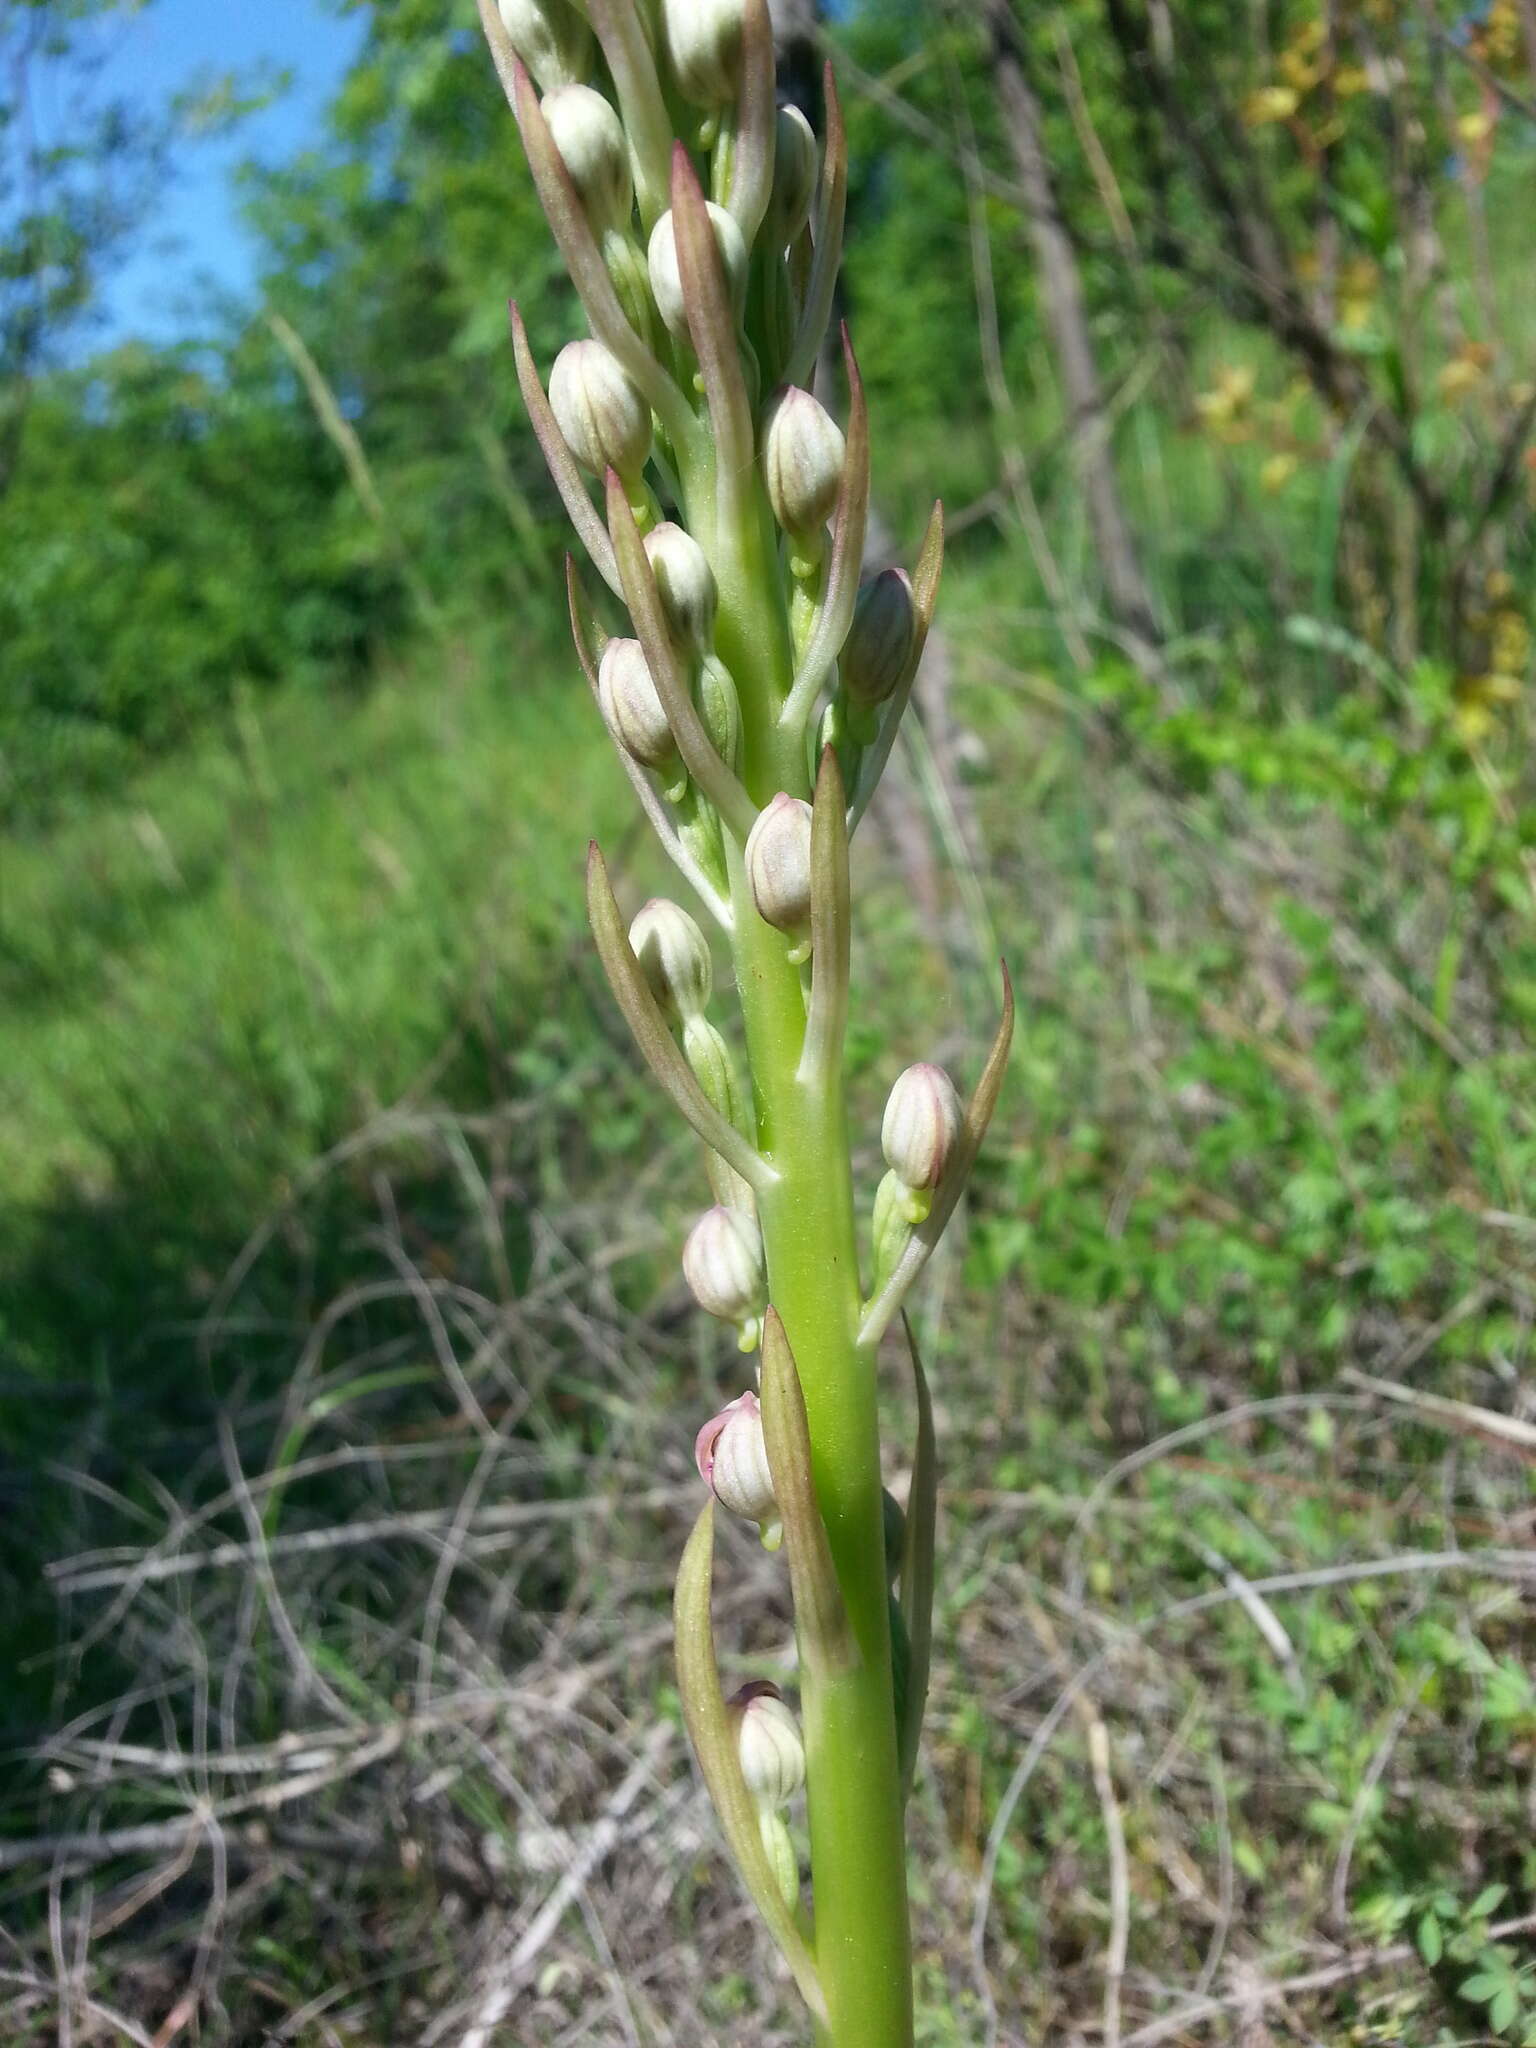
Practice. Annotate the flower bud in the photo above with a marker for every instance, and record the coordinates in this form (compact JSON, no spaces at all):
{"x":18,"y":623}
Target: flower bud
{"x":922,"y":1125}
{"x":768,"y":1743}
{"x":723,"y":1264}
{"x":703,"y":45}
{"x":803,"y":454}
{"x":631,"y":706}
{"x":685,"y":583}
{"x":667,"y":279}
{"x":551,"y":38}
{"x":674,"y":957}
{"x":605,"y":421}
{"x":778,"y":858}
{"x":795,"y":167}
{"x":588,"y":134}
{"x":732,"y":1458}
{"x":877,"y":654}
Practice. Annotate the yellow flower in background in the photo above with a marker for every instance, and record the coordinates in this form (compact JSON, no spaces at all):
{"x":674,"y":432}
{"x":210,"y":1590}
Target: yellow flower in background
{"x":1350,"y":80}
{"x":1269,"y":104}
{"x":1501,"y":35}
{"x":1465,"y":371}
{"x":1223,"y":410}
{"x":1277,"y":473}
{"x":1511,"y":645}
{"x":1299,"y":72}
{"x":1503,"y":658}
{"x":1359,"y":281}
{"x":1474,"y":128}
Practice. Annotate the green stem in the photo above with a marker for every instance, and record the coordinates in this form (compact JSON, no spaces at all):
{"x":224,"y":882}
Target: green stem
{"x":857,"y":1847}
{"x":858,"y":1852}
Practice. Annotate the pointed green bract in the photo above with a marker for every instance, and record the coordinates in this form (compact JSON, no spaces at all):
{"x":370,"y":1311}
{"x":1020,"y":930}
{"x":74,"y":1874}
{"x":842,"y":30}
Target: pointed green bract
{"x":821,"y":1622}
{"x":562,"y":464}
{"x":649,"y":1029}
{"x":714,"y":1744}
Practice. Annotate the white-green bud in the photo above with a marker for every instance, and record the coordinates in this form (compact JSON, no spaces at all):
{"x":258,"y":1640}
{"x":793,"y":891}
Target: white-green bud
{"x":778,"y":859}
{"x":551,"y":38}
{"x":723,"y":1265}
{"x":768,"y":1744}
{"x":795,"y":167}
{"x":605,"y":421}
{"x":803,"y":452}
{"x":627,"y":694}
{"x":667,"y":278}
{"x":685,"y":583}
{"x":674,"y":957}
{"x":590,"y":138}
{"x":702,"y":39}
{"x":878,"y":652}
{"x":922,"y":1125}
{"x":732,"y":1456}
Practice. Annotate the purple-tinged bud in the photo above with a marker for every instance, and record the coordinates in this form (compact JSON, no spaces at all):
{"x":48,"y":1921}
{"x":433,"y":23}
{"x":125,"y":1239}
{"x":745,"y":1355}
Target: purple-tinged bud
{"x":778,"y":859}
{"x":702,"y":39}
{"x":627,"y":694}
{"x":723,"y":1264}
{"x":768,"y":1743}
{"x":796,"y":162}
{"x":674,"y":958}
{"x":667,"y":278}
{"x":877,"y":654}
{"x":803,"y":453}
{"x":685,"y":583}
{"x":732,"y":1457}
{"x":551,"y":38}
{"x":922,"y":1125}
{"x":605,"y":421}
{"x":590,"y":138}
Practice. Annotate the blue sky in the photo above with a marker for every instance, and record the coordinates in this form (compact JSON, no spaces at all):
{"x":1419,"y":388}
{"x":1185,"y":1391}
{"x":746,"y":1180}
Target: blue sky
{"x":195,"y":236}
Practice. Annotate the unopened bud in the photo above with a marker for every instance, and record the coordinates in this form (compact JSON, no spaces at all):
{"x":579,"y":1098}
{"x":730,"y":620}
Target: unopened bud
{"x":685,"y":583}
{"x":723,"y":1264}
{"x":605,"y":421}
{"x":922,"y":1125}
{"x":703,"y":45}
{"x":803,"y":453}
{"x":877,"y":654}
{"x":732,"y":1457}
{"x":674,"y":957}
{"x":778,"y":858}
{"x":588,"y":134}
{"x":667,"y":278}
{"x":794,"y":173}
{"x":627,"y":694}
{"x":768,"y":1743}
{"x":551,"y":38}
